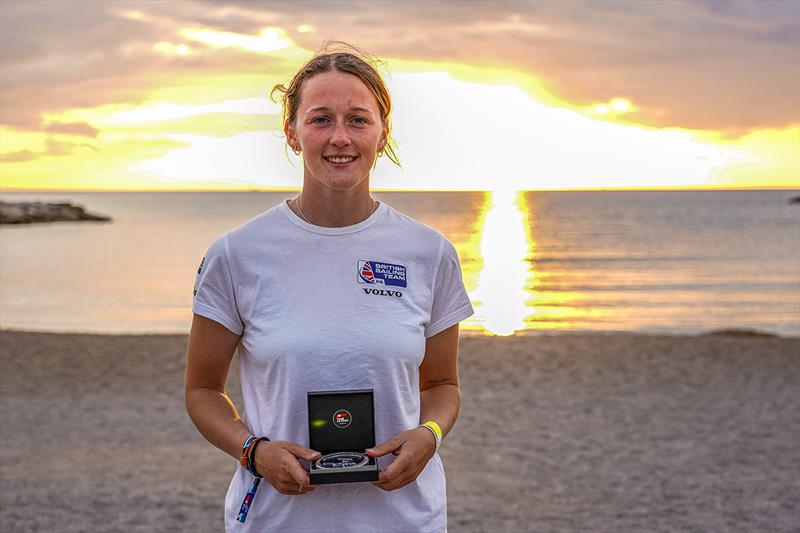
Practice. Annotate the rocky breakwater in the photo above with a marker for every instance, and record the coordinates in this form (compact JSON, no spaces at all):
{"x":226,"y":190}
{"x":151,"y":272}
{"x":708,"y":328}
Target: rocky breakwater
{"x":28,"y":212}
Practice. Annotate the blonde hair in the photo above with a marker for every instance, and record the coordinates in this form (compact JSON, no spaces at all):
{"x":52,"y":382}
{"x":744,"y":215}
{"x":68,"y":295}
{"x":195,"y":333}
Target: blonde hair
{"x":358,"y":63}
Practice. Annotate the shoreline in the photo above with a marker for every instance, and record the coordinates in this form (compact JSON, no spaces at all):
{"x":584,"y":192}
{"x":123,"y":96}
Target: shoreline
{"x":722,"y":332}
{"x":566,"y":432}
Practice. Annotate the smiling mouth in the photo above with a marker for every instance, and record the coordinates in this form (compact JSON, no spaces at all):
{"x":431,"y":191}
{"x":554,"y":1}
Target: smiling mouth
{"x":340,"y":160}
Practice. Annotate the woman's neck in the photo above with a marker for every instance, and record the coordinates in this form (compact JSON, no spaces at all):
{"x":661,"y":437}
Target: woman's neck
{"x":332,"y":208}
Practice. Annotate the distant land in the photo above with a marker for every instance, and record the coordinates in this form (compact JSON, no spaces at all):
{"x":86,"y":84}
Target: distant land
{"x":30,"y":212}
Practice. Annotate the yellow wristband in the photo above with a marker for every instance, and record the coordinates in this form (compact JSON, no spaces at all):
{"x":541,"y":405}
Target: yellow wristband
{"x":437,"y":431}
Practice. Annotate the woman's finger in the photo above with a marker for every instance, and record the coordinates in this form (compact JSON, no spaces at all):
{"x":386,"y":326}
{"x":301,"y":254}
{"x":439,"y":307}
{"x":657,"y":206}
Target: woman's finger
{"x":391,"y":479}
{"x":395,"y":470}
{"x":391,"y":472}
{"x":396,"y":483}
{"x":405,"y":478}
{"x":302,"y":452}
{"x":290,"y":488}
{"x":305,"y":489}
{"x":390,"y":445}
{"x":297,"y":473}
{"x":291,"y":471}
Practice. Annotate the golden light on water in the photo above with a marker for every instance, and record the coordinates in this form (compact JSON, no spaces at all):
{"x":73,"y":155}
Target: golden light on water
{"x":510,"y":289}
{"x":500,"y":296}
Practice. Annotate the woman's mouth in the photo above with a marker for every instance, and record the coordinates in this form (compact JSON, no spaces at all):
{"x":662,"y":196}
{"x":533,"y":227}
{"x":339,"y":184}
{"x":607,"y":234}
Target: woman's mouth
{"x":340,"y":160}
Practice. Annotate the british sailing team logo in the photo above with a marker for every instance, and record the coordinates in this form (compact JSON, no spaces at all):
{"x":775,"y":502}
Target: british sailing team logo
{"x":342,"y":418}
{"x":380,"y":273}
{"x":366,"y":273}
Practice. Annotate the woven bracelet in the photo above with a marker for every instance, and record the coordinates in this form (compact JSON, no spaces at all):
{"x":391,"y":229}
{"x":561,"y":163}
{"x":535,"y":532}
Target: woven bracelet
{"x":248,"y":454}
{"x":243,"y":459}
{"x":251,"y":456}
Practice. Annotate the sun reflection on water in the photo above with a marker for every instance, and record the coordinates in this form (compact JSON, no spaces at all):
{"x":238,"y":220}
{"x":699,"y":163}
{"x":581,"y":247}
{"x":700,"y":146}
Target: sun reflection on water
{"x":500,"y":296}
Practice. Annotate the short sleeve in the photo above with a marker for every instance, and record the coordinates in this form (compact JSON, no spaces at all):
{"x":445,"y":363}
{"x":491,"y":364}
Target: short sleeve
{"x":214,"y":295}
{"x":450,"y":300}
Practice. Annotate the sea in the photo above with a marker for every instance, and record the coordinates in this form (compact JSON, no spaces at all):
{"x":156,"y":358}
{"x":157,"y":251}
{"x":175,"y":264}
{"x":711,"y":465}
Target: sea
{"x":666,"y":262}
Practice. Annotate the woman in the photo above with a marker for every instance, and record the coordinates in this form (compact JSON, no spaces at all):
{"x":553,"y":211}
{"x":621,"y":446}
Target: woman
{"x":294,"y":289}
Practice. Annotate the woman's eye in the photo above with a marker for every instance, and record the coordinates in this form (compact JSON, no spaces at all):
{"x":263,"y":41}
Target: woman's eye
{"x":319,"y":120}
{"x":360,"y":120}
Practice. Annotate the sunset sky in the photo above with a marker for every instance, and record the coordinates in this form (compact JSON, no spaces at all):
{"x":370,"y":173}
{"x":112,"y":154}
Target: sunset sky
{"x":162,"y":95}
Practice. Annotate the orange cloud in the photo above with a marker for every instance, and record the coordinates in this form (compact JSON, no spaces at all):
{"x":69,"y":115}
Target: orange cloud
{"x":75,"y":128}
{"x":703,"y":65}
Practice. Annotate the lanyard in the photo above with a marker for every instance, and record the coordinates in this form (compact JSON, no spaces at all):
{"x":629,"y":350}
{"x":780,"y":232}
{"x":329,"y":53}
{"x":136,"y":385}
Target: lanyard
{"x":248,"y":500}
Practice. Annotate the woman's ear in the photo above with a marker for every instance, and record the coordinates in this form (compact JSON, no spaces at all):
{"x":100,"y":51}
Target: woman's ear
{"x":384,"y":140}
{"x":291,"y":137}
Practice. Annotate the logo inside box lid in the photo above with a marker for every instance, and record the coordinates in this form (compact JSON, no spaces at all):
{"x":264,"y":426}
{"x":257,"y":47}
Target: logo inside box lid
{"x":342,"y":418}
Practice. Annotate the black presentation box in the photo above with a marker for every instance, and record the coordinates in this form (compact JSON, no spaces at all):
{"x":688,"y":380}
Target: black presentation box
{"x":341,"y":425}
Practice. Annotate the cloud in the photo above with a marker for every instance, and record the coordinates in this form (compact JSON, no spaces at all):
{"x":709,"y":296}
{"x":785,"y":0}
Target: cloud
{"x":51,"y":147}
{"x":255,"y":158}
{"x":75,"y":128}
{"x":19,"y":156}
{"x":519,"y":143}
{"x":730,"y":66}
{"x":58,"y":56}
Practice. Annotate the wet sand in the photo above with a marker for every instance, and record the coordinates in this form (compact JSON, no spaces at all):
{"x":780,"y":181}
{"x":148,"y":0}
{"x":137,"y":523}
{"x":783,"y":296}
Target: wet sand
{"x":562,"y":433}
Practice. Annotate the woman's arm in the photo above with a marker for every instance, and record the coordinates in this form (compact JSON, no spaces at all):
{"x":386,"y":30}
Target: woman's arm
{"x":440,"y":391}
{"x":209,"y":355}
{"x":208,"y":358}
{"x":440,"y":400}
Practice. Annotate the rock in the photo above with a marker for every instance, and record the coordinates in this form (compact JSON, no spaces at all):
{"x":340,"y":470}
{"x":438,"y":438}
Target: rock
{"x":28,"y":212}
{"x":794,"y":200}
{"x":736,"y":332}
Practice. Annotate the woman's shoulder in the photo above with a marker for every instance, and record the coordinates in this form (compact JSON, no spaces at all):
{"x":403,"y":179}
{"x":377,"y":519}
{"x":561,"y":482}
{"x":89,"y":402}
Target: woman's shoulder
{"x":267,"y":220}
{"x":405,"y":224}
{"x":249,"y":232}
{"x":411,"y":234}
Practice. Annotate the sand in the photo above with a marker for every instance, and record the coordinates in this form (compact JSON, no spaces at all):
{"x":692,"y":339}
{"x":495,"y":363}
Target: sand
{"x":561,"y":433}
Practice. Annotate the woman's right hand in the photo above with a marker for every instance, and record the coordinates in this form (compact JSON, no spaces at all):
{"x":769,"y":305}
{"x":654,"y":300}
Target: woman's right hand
{"x":277,"y":462}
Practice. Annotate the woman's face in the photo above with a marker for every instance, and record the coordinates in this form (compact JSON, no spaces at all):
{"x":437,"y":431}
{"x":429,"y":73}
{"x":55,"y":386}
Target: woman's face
{"x":339,"y":129}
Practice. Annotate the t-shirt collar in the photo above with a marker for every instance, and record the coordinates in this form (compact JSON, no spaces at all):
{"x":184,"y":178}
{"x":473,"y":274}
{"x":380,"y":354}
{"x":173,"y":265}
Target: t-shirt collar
{"x":343,"y":230}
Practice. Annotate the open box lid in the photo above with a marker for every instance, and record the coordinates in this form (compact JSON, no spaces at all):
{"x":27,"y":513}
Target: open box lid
{"x":341,"y":421}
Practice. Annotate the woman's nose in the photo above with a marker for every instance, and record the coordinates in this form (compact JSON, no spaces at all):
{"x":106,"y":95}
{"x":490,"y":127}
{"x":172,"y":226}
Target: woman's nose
{"x":339,"y":135}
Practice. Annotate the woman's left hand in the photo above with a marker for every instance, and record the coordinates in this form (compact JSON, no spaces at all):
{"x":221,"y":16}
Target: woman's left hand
{"x":413,"y":449}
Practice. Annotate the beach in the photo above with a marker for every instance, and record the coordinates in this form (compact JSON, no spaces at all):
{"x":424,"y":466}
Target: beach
{"x":599,"y":432}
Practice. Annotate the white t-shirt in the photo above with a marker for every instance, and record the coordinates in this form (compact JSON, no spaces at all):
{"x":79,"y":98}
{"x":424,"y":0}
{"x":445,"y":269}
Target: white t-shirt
{"x":332,"y":309}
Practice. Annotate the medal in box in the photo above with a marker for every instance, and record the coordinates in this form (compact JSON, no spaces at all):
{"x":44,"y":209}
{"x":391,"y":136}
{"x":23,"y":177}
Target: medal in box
{"x":341,"y":425}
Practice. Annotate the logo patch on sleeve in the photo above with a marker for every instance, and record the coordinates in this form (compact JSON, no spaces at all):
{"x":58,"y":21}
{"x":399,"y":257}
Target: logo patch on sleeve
{"x":194,"y":293}
{"x":380,"y":273}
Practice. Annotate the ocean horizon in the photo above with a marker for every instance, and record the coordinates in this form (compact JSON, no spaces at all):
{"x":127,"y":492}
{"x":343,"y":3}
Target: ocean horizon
{"x":668,"y":262}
